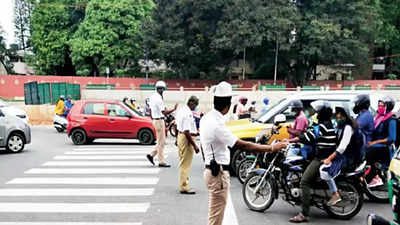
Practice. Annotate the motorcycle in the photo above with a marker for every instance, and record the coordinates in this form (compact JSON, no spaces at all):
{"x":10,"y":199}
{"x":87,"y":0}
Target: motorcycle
{"x":260,"y":160}
{"x":393,"y":194}
{"x":170,"y":125}
{"x":282,"y":177}
{"x":60,"y":123}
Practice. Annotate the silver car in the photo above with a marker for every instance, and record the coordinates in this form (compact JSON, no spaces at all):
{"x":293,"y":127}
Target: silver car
{"x":14,"y":132}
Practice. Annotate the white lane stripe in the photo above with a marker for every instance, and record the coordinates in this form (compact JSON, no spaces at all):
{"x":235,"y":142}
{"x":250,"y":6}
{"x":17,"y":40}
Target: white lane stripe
{"x":116,"y":149}
{"x":78,"y":192}
{"x":105,"y":153}
{"x":28,"y":207}
{"x":99,"y":157}
{"x":93,"y":171}
{"x":97,"y":163}
{"x":66,"y":223}
{"x":86,"y":181}
{"x":230,"y":217}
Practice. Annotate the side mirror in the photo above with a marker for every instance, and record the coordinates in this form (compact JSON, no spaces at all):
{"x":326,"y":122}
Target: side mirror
{"x":129,"y":116}
{"x":1,"y":114}
{"x":279,"y":119}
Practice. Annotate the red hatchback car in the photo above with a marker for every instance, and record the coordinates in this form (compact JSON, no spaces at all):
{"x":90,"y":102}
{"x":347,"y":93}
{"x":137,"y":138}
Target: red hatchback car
{"x":91,"y":119}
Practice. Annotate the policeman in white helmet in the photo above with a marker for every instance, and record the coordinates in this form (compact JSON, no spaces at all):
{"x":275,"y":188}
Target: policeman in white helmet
{"x":215,"y":139}
{"x":157,"y":112}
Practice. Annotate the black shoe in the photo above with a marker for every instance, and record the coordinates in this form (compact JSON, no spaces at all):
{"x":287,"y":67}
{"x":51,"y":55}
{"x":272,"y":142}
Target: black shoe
{"x":189,"y":192}
{"x":151,"y":159}
{"x":164,"y":165}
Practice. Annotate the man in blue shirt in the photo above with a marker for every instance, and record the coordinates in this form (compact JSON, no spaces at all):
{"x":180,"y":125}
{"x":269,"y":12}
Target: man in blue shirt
{"x":68,"y":105}
{"x":365,"y":118}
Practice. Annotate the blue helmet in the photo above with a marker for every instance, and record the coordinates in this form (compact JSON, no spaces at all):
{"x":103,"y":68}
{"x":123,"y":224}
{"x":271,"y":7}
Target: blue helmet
{"x":266,"y":100}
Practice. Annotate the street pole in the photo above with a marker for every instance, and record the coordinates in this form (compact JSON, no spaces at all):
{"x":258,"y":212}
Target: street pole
{"x":276,"y":60}
{"x":244,"y":64}
{"x":147,"y":65}
{"x":108,"y":73}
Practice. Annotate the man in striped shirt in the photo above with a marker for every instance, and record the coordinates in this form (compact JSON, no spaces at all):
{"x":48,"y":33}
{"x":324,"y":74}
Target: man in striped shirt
{"x":323,"y":138}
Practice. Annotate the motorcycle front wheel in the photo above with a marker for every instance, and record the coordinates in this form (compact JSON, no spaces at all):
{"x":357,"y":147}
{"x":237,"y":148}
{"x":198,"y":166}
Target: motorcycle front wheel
{"x":243,"y":169}
{"x":351,"y":204}
{"x":259,"y":200}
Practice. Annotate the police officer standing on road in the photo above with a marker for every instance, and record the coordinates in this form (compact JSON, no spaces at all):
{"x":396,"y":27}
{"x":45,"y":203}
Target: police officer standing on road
{"x":186,"y":126}
{"x":157,"y":112}
{"x":215,"y":139}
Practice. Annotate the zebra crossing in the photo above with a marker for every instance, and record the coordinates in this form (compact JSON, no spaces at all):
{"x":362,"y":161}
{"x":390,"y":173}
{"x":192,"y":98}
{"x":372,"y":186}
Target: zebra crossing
{"x":88,"y":185}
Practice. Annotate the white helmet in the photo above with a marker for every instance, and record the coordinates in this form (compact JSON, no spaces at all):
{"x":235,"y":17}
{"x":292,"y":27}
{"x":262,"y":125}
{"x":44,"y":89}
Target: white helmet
{"x":161,"y":84}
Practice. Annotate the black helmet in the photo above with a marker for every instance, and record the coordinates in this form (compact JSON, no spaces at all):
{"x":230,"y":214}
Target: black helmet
{"x":323,"y":108}
{"x":296,"y":104}
{"x":389,"y":103}
{"x":361,"y":102}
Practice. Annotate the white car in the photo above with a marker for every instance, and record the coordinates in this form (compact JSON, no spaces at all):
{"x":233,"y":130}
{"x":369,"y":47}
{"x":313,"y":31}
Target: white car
{"x":15,"y":111}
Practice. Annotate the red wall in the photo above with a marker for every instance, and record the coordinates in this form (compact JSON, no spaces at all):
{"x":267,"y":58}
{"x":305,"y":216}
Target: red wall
{"x":13,"y":85}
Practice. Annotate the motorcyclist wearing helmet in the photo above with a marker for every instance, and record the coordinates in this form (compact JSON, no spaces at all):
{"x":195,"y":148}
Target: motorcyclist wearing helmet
{"x":266,"y":106}
{"x":241,"y":111}
{"x":384,"y":135}
{"x":158,"y":113}
{"x":301,"y":123}
{"x":60,"y":106}
{"x":365,"y":119}
{"x":323,"y":138}
{"x":333,"y":164}
{"x":133,"y":103}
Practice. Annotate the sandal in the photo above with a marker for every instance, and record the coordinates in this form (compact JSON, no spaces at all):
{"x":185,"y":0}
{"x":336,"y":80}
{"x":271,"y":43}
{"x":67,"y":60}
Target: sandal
{"x":300,"y":218}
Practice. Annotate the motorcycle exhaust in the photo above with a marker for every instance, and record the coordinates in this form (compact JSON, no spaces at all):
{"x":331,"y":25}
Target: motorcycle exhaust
{"x":373,"y":219}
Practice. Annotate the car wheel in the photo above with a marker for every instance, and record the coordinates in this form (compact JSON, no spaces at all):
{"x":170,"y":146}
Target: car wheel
{"x":15,"y":143}
{"x":146,"y":137}
{"x":79,"y":137}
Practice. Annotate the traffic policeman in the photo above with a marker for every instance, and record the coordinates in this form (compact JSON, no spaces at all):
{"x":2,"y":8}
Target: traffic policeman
{"x":215,"y":139}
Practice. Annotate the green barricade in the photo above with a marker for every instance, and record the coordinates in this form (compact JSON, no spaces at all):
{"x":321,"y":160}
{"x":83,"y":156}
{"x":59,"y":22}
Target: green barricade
{"x":361,"y":88}
{"x":74,"y":90}
{"x":147,"y":87}
{"x":31,"y":93}
{"x":392,"y":87}
{"x":311,"y":88}
{"x":44,"y":93}
{"x":272,"y":87}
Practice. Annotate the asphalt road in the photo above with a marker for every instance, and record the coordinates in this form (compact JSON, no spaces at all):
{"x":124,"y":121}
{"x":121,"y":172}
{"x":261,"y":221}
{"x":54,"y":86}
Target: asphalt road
{"x":54,"y":182}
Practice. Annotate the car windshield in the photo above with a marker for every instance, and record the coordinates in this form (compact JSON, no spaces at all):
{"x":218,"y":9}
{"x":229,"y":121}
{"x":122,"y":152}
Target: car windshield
{"x":2,"y":103}
{"x":138,"y":113}
{"x":261,"y":118}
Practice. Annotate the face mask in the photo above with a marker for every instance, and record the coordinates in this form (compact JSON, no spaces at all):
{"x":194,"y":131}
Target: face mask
{"x":381,"y":110}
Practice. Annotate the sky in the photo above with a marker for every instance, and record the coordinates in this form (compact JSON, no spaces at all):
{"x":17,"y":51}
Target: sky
{"x":6,"y":19}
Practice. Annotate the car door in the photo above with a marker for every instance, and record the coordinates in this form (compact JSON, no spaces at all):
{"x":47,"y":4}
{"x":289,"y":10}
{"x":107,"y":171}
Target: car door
{"x":120,"y":121}
{"x":3,"y":137}
{"x":95,"y":124}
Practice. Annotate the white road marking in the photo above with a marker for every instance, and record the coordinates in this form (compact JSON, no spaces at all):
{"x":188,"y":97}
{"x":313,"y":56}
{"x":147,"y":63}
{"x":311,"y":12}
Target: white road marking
{"x":78,"y":192}
{"x":118,"y":152}
{"x":97,"y":163}
{"x":93,"y":171}
{"x":86,"y":181}
{"x":66,"y":223}
{"x":230,"y":217}
{"x":98,"y":157}
{"x":28,"y":207}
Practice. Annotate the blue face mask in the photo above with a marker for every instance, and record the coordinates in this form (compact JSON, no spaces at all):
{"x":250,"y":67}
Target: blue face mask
{"x":196,"y":109}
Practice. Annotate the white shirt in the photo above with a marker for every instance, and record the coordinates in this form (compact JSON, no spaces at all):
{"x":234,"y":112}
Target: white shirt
{"x":213,"y":132}
{"x":157,"y":106}
{"x":347,"y":134}
{"x":185,"y":120}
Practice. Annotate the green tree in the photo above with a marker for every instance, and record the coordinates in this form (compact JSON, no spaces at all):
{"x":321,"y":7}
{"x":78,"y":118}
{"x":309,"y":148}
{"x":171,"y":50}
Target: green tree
{"x":22,"y":13}
{"x":329,"y":32}
{"x":53,"y":24}
{"x":110,"y":36}
{"x":5,"y":53}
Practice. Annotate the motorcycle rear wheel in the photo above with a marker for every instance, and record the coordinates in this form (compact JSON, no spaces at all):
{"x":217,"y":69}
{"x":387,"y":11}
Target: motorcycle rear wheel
{"x":265,"y":193}
{"x":352,"y":198}
{"x":378,"y":194}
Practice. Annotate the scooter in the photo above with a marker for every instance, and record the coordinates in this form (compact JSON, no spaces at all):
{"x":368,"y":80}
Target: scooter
{"x":60,"y":123}
{"x":394,"y":194}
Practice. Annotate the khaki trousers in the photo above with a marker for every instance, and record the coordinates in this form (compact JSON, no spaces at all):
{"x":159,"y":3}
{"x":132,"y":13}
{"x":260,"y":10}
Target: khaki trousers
{"x":159,"y":126}
{"x":218,"y":188}
{"x":185,"y":152}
